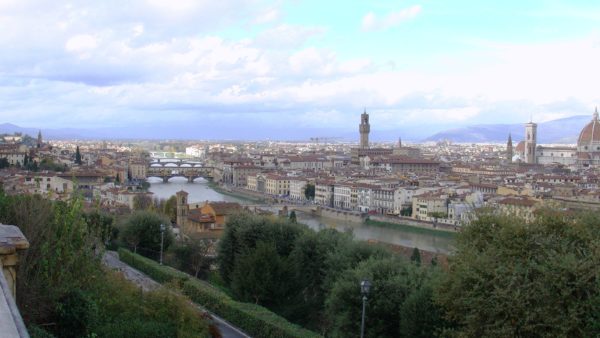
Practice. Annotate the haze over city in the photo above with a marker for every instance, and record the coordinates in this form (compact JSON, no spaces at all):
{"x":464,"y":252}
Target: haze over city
{"x":294,"y":70}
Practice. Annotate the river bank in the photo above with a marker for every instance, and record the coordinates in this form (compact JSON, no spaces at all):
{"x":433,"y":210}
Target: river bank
{"x":411,"y":228}
{"x":247,"y":197}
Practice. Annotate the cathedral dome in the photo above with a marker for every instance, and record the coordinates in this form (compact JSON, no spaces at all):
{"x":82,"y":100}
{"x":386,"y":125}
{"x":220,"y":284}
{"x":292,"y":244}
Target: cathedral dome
{"x":590,"y":134}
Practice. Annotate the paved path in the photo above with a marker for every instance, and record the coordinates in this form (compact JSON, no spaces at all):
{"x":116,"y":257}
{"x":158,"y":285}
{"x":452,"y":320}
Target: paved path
{"x":111,"y":259}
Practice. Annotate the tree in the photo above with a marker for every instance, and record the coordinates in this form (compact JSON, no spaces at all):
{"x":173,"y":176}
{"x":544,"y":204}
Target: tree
{"x":142,"y":231}
{"x":513,"y":278}
{"x":4,"y":163}
{"x":142,"y":202}
{"x":293,"y":216}
{"x":416,"y":257}
{"x":77,"y":156}
{"x":192,"y":256}
{"x":309,"y":191}
{"x":394,"y":283}
{"x":170,"y":208}
{"x":129,"y":175}
{"x":117,"y":179}
{"x":262,"y":276}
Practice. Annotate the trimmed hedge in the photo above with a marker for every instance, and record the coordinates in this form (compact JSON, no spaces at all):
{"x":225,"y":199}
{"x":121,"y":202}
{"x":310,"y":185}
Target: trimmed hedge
{"x":254,"y":319}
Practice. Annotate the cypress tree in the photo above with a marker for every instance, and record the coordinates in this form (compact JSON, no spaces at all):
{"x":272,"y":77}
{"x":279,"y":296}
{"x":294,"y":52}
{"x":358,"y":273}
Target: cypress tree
{"x":77,"y":156}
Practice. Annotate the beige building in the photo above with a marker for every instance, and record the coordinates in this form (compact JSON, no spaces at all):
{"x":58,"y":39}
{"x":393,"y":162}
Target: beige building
{"x":297,"y":189}
{"x":427,"y":205}
{"x":277,"y":185}
{"x":342,"y":196}
{"x":324,"y":193}
{"x":138,"y":170}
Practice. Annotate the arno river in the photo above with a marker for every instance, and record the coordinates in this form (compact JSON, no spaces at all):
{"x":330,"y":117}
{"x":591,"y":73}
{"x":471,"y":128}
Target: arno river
{"x":200,"y":191}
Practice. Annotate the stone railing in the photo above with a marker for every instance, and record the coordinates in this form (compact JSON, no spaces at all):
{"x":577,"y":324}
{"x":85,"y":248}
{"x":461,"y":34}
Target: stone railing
{"x":12,"y":241}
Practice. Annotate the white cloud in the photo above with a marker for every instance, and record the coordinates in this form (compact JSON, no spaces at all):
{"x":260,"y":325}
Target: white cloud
{"x":286,"y":36}
{"x":81,"y":43}
{"x":270,"y":15}
{"x":371,"y":22}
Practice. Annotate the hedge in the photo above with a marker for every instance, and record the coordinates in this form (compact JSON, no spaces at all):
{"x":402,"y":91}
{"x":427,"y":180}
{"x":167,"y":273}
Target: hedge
{"x":253,"y":319}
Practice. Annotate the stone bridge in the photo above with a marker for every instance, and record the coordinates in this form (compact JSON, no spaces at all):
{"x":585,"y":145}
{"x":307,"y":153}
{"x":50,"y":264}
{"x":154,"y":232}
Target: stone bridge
{"x":174,"y":163}
{"x":191,"y":173}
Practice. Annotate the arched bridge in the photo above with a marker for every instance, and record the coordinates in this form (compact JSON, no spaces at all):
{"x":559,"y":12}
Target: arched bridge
{"x":174,"y":163}
{"x":191,"y":173}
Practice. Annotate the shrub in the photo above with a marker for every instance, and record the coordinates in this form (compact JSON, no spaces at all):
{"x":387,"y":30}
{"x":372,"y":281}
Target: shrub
{"x":254,"y":319}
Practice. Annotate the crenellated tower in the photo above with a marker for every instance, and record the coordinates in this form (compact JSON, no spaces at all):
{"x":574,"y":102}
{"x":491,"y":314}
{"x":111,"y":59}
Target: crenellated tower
{"x":364,"y":128}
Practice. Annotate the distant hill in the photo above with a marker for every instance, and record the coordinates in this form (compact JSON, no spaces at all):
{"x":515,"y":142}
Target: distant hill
{"x":9,"y":128}
{"x":565,"y":130}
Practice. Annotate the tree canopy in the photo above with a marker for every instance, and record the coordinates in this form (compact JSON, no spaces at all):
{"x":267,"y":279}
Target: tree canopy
{"x":513,"y":278}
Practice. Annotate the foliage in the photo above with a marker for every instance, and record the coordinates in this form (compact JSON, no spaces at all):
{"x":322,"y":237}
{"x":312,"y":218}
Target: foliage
{"x":296,"y":282}
{"x":511,"y":278}
{"x":141,"y":230}
{"x":255,"y":320}
{"x":244,"y":231}
{"x":263,"y":277}
{"x":192,"y":256}
{"x":415,"y":257}
{"x":78,"y":156}
{"x":309,"y":191}
{"x":48,"y":164}
{"x":76,"y":314}
{"x":4,"y":163}
{"x":62,"y":287}
{"x":293,"y":217}
{"x":395,"y":284}
{"x":60,"y":257}
{"x":142,"y":202}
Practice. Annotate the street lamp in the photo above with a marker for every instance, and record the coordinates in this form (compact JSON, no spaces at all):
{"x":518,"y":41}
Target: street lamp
{"x":162,"y":241}
{"x":365,"y":287}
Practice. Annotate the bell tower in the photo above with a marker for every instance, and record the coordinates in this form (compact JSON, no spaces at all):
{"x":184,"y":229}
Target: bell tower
{"x":364,"y":128}
{"x":182,"y":208}
{"x":530,"y":142}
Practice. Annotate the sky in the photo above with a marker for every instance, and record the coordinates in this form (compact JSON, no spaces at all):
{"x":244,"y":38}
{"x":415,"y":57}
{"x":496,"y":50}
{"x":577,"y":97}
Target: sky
{"x":295,"y":69}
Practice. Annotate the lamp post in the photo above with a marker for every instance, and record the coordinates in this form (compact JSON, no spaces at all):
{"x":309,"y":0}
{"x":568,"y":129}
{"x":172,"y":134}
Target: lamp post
{"x":365,"y":287}
{"x":162,"y":241}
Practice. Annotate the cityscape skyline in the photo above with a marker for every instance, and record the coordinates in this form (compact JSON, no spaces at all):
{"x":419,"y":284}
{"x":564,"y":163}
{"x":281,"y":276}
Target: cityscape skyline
{"x":256,"y":70}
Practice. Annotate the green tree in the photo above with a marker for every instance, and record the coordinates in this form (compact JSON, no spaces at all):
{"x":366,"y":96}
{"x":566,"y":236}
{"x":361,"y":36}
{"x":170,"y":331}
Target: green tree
{"x":262,"y":276}
{"x":393,"y":282}
{"x":141,"y":230}
{"x":416,"y":257}
{"x":293,"y":216}
{"x":142,"y":202}
{"x":192,"y":256}
{"x":4,"y":163}
{"x":510,"y":278}
{"x":61,"y":254}
{"x":170,"y":208}
{"x":309,"y":191}
{"x":78,"y":156}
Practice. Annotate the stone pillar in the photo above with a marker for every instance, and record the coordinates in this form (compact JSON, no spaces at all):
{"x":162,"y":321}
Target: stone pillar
{"x":12,"y":241}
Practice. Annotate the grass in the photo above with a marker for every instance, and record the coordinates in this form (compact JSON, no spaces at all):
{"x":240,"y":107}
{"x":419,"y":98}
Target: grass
{"x":413,"y":229}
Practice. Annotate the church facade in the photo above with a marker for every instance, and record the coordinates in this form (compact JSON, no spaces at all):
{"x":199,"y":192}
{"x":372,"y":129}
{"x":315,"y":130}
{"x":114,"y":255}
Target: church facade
{"x":585,"y":154}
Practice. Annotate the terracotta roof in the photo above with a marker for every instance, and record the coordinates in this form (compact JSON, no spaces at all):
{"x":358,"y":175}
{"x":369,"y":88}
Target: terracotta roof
{"x":225,"y":208}
{"x":520,"y":147}
{"x":591,"y":132}
{"x":196,"y":216}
